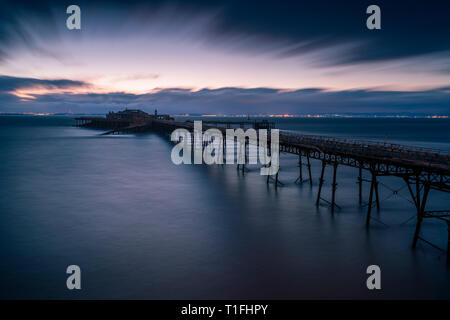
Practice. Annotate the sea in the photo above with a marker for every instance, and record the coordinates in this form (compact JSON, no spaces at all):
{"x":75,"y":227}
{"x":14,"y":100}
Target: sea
{"x":141,"y":227}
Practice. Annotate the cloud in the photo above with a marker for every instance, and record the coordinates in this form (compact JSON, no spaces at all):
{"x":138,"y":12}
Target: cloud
{"x":134,"y":77}
{"x":305,"y":27}
{"x":228,"y":100}
{"x":9,"y":84}
{"x":21,"y":21}
{"x":284,"y":28}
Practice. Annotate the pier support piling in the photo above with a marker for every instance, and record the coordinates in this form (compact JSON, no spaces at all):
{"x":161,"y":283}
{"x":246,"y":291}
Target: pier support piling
{"x":245,"y":157}
{"x":377,"y":199}
{"x":321,"y":182}
{"x":223,"y":152}
{"x":419,"y":214}
{"x":369,"y":206}
{"x":360,"y":183}
{"x":334,"y":186}
{"x":420,"y":205}
{"x":308,"y":165}
{"x":448,"y":243}
{"x":300,"y":168}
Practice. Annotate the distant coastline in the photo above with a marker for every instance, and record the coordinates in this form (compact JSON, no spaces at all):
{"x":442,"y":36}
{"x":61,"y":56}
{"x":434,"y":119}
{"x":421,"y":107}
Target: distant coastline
{"x":247,"y":115}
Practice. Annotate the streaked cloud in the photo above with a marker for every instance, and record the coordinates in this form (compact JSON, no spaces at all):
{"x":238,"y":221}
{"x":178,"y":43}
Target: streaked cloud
{"x":229,"y":100}
{"x":8,"y":83}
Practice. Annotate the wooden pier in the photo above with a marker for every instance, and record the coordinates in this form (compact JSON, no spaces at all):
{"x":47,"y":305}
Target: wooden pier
{"x":422,"y":170}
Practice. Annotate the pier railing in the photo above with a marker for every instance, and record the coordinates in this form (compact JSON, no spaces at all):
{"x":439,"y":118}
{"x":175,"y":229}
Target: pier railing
{"x":421,"y":157}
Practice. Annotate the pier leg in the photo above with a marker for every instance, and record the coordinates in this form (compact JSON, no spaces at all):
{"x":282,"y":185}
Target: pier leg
{"x":360,"y":184}
{"x":276,"y":180}
{"x":238,"y":148}
{"x":245,"y":157}
{"x":369,"y":206}
{"x":420,"y":208}
{"x":334,"y":185}
{"x":223,"y":152}
{"x":309,"y":169}
{"x":448,"y":244}
{"x":321,"y":182}
{"x":300,"y":165}
{"x":377,"y":199}
{"x":419,"y":215}
{"x":269,"y":154}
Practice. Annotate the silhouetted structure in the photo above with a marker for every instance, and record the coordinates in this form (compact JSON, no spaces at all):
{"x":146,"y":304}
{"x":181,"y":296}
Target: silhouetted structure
{"x":422,"y":169}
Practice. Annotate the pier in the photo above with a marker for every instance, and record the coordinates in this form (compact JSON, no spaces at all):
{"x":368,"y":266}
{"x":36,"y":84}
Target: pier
{"x":422,"y":170}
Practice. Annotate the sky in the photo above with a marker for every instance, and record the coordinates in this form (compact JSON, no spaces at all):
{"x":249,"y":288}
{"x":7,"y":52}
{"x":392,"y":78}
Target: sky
{"x":226,"y":57}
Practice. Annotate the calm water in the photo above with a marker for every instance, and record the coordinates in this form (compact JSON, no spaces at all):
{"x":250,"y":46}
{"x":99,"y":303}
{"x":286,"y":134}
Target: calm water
{"x":141,"y":227}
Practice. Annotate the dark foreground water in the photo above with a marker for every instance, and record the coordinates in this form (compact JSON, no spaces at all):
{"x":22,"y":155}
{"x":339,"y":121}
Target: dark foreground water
{"x":141,"y":227}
